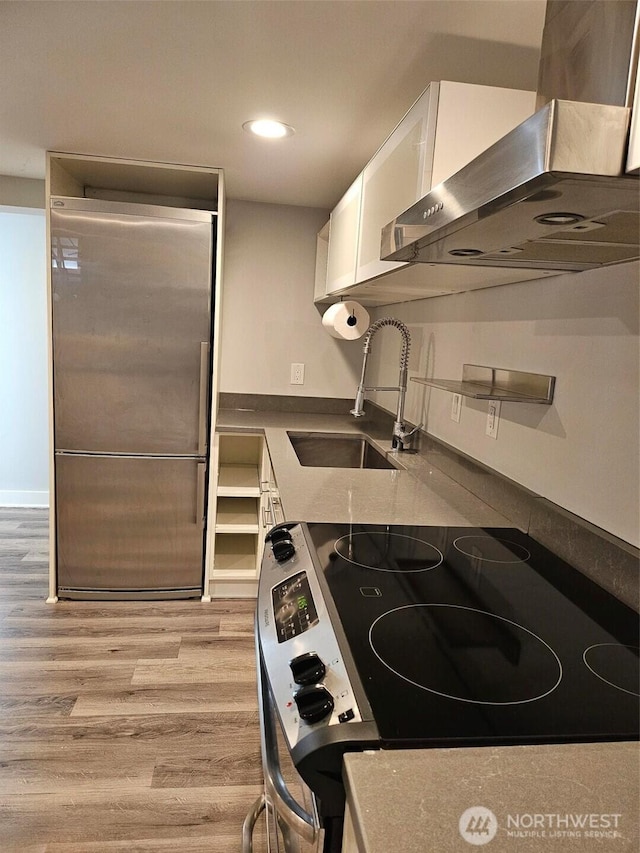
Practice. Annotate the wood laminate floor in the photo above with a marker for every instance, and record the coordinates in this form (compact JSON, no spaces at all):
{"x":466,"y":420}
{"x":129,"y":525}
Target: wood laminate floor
{"x":124,"y":726}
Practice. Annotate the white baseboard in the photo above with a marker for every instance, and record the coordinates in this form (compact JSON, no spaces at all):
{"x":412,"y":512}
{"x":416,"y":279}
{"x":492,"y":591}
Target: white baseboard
{"x":26,"y":499}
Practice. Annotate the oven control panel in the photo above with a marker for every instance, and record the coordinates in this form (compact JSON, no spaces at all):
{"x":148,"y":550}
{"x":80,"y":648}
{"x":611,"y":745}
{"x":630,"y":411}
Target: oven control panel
{"x":302,"y":658}
{"x":293,"y":607}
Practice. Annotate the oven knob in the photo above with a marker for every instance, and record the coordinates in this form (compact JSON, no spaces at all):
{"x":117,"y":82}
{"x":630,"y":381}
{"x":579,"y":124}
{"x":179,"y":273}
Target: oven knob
{"x":282,"y":545}
{"x":314,"y":702}
{"x":283,"y":550}
{"x":307,"y":668}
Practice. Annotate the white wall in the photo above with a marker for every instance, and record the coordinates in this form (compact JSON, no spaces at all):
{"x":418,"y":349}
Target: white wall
{"x":268,"y":316}
{"x":24,"y":455}
{"x":21,"y":192}
{"x":581,"y":452}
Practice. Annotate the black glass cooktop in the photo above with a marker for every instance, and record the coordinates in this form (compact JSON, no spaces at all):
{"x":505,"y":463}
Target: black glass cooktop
{"x":475,"y":635}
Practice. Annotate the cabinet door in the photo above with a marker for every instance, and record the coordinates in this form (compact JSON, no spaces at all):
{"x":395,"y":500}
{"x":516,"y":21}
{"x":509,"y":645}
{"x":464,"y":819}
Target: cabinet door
{"x":470,"y":119}
{"x":396,"y":177}
{"x":633,"y":158}
{"x":266,"y":510}
{"x":129,"y":526}
{"x":270,"y":506}
{"x":322,"y":257}
{"x":343,"y":239}
{"x":447,"y":127}
{"x":131,"y":328}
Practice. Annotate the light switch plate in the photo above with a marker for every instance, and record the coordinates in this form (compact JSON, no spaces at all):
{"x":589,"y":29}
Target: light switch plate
{"x":493,"y":418}
{"x":456,"y":407}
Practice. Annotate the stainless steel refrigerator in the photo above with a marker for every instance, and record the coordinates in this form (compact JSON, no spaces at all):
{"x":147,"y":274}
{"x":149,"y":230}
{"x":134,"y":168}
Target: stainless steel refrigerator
{"x":132,"y":292}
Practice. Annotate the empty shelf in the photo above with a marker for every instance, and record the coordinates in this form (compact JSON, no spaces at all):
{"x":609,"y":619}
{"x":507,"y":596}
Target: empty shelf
{"x":235,"y":553}
{"x":238,"y":481}
{"x":237,"y":515}
{"x":493,"y":383}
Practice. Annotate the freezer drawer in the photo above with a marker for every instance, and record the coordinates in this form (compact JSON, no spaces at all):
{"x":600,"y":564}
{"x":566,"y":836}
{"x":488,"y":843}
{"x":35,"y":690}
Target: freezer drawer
{"x":129,"y":527}
{"x":131,"y":300}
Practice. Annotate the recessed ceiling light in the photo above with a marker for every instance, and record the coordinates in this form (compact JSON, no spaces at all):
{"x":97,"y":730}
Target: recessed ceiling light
{"x":268,"y":128}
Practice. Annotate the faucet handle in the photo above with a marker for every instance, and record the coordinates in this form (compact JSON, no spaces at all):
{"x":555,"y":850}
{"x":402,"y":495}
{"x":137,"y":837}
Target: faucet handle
{"x":401,"y":436}
{"x":414,"y":430}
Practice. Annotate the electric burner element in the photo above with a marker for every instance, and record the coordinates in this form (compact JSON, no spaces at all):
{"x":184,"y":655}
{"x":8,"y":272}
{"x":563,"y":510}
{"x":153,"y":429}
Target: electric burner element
{"x":491,"y":550}
{"x":383,"y":551}
{"x":466,"y":654}
{"x":615,"y":664}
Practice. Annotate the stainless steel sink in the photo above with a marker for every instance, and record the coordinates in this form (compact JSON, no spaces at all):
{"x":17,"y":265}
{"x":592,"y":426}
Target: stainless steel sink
{"x":337,"y":450}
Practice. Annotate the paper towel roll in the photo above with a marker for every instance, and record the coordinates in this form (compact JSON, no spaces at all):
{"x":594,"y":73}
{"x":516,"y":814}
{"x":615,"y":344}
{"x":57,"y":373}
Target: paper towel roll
{"x":347,"y":320}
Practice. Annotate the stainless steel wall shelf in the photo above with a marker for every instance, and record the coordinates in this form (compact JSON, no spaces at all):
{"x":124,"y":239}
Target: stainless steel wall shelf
{"x":494,"y":383}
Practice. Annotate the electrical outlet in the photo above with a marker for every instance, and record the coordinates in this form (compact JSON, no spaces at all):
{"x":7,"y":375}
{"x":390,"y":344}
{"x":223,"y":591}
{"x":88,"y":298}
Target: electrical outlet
{"x":456,"y":407}
{"x":493,"y":418}
{"x":297,"y":374}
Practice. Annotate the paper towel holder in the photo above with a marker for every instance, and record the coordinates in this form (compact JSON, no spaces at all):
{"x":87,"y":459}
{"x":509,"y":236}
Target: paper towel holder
{"x":346,"y":320}
{"x":351,"y":319}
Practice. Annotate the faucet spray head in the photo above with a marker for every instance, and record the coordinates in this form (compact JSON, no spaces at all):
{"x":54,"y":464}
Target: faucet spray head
{"x":358,"y":410}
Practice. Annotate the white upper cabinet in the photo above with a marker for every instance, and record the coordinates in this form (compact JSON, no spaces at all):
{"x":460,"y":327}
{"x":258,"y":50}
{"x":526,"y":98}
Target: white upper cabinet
{"x":397,"y":175}
{"x":470,"y":119}
{"x":344,"y":225}
{"x":633,"y":160}
{"x":449,"y":125}
{"x":322,"y":260}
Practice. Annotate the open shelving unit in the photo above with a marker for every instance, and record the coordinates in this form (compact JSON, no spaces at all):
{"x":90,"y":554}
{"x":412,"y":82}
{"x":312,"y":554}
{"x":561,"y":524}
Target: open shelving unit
{"x":244,"y":491}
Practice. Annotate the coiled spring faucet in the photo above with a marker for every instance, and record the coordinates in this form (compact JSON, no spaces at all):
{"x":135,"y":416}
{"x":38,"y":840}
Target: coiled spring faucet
{"x":401,"y":438}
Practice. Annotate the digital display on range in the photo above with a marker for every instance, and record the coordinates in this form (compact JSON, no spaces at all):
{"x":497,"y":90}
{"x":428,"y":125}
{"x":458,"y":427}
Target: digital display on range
{"x":293,"y":607}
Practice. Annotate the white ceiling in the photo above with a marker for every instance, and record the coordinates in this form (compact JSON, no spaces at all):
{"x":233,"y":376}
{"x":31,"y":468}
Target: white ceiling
{"x":174,"y":81}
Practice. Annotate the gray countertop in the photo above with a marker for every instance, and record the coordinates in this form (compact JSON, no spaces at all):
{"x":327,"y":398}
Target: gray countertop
{"x":546,"y":799}
{"x":419,"y":494}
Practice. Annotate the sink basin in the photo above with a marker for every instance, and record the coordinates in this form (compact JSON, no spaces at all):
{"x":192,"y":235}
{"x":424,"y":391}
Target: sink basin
{"x":336,"y":450}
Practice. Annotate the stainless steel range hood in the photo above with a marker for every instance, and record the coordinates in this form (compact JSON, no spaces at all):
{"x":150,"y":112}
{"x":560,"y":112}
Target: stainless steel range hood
{"x":553,"y":193}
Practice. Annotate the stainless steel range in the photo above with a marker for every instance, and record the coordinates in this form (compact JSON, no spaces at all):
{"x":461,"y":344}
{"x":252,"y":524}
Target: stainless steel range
{"x":384,"y":637}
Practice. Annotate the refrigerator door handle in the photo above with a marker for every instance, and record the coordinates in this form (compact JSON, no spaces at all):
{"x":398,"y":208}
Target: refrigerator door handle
{"x":200,"y":489}
{"x":204,"y":397}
